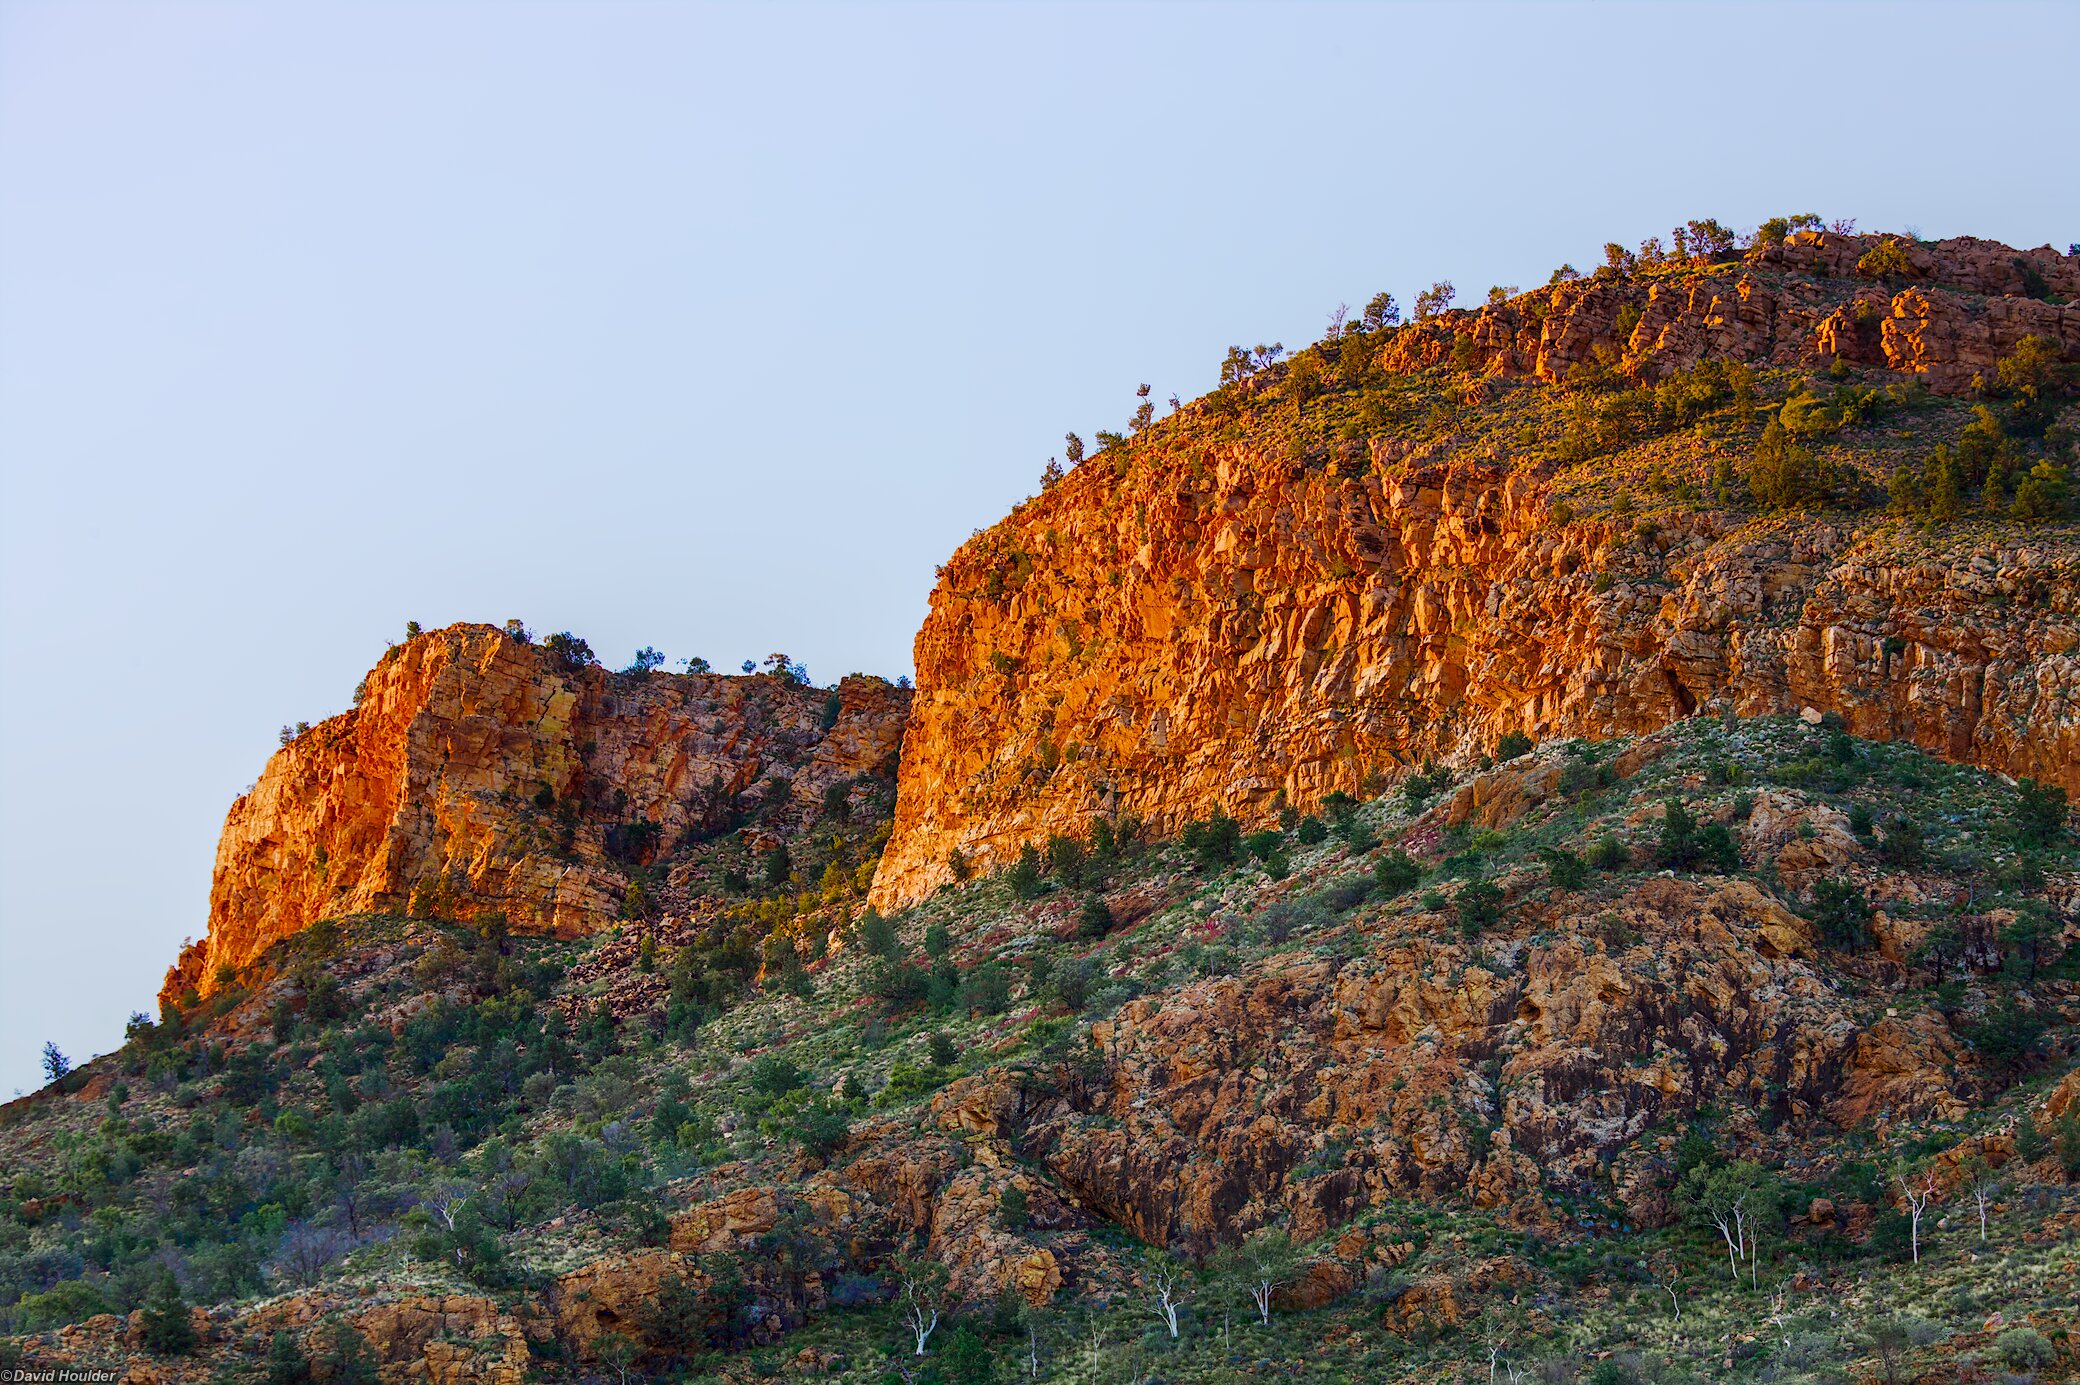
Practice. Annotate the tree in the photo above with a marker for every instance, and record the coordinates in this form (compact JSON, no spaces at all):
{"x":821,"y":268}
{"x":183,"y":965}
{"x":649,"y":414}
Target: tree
{"x":645,"y":661}
{"x":1478,"y":905}
{"x":1167,"y":1290}
{"x":1984,"y":1185}
{"x":286,"y":1363}
{"x":820,"y":1128}
{"x":921,"y":1297}
{"x":1380,"y":313}
{"x":567,"y":653}
{"x":1073,"y":449}
{"x":878,"y":936}
{"x":1259,"y":1265}
{"x":1729,"y":1199}
{"x":1785,"y":475}
{"x":1024,"y":877}
{"x":1677,"y":846}
{"x":2033,"y":375}
{"x":1434,"y":300}
{"x":1050,"y":474}
{"x":166,"y":1325}
{"x":55,"y":1064}
{"x":1918,"y":1193}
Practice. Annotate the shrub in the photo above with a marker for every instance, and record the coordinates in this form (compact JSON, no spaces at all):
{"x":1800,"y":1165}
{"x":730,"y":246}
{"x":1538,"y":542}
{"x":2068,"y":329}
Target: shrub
{"x":1066,"y":860}
{"x":567,"y":653}
{"x":878,"y":936}
{"x":2007,"y":1034}
{"x":1094,"y":919}
{"x":1396,"y":873}
{"x":898,"y":985}
{"x":1215,"y":842}
{"x":987,"y":989}
{"x":1610,"y":853}
{"x":2025,"y":1349}
{"x":1071,"y":984}
{"x":1785,"y":475}
{"x":1013,"y":1214}
{"x":1904,"y":845}
{"x":1677,"y":845}
{"x":773,"y":1074}
{"x":1312,"y":831}
{"x":1478,"y":905}
{"x":1283,"y":919}
{"x":820,"y":1127}
{"x":1263,"y":845}
{"x":1885,"y":260}
{"x":2040,"y":811}
{"x":1513,"y":745}
{"x":941,"y":1049}
{"x":1842,"y":914}
{"x":1564,"y":869}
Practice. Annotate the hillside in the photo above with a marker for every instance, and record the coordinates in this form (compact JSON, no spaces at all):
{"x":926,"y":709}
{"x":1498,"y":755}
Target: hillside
{"x":1528,"y":844}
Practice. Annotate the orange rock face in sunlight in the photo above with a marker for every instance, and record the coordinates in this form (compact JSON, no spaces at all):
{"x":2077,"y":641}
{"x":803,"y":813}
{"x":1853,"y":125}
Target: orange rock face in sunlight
{"x":475,"y":777}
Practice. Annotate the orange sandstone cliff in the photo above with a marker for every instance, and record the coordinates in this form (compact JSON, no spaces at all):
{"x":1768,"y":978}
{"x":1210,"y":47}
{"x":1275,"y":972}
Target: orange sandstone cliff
{"x":477,"y":776}
{"x":1247,"y":607}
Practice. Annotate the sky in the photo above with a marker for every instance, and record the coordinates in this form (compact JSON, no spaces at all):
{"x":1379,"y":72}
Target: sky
{"x":717,"y":327}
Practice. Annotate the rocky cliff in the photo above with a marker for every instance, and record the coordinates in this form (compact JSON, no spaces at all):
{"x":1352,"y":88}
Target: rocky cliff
{"x":480,"y":774}
{"x":1413,"y":542}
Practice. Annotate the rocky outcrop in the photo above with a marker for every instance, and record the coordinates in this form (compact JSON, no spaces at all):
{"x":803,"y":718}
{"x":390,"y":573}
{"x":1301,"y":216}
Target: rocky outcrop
{"x":1313,"y":1085}
{"x":1210,"y":618}
{"x":476,"y":775}
{"x":1956,"y":308}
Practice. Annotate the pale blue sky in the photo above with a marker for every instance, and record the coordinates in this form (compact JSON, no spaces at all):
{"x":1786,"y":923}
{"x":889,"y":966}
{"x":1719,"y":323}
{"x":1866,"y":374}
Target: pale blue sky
{"x":717,"y":327}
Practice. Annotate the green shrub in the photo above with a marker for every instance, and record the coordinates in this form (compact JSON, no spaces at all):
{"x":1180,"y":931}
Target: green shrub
{"x":898,"y":985}
{"x":1512,"y":746}
{"x":1024,"y":877}
{"x":167,"y":1330}
{"x":2024,"y":1348}
{"x":1263,"y":845}
{"x":1478,"y":905}
{"x":1904,"y":844}
{"x":1396,"y":873}
{"x":1071,"y":984}
{"x":2040,"y":811}
{"x":1610,"y":853}
{"x":1215,"y":842}
{"x":1564,"y":869}
{"x":1013,"y":1213}
{"x":773,"y":1074}
{"x":1095,"y":919}
{"x":878,"y":936}
{"x":2007,"y":1035}
{"x":1784,"y":474}
{"x":1842,"y":914}
{"x":1311,"y":831}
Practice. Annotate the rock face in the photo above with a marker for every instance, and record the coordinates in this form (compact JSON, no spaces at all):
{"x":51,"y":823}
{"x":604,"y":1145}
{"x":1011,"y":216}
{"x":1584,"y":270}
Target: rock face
{"x":1216,"y":622}
{"x":1304,"y":1089}
{"x":475,"y":776}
